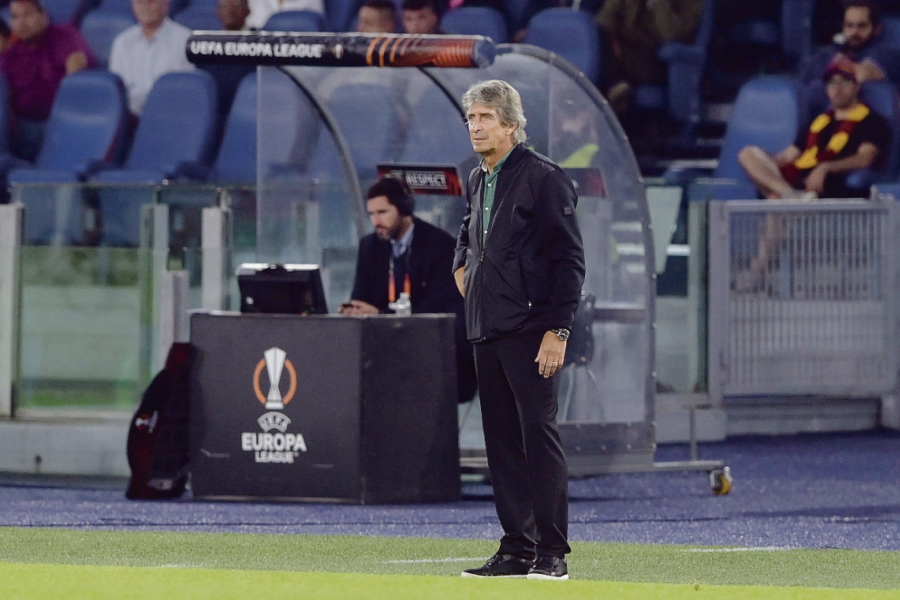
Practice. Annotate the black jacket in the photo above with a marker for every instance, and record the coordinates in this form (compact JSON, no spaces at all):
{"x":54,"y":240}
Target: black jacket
{"x":529,"y":274}
{"x":430,"y":259}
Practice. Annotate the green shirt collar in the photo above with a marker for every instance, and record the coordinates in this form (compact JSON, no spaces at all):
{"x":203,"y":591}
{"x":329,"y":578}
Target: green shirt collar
{"x":500,"y":162}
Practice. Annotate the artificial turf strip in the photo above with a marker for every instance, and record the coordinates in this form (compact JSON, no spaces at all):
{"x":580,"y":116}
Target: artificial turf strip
{"x":630,"y":563}
{"x":51,"y":582}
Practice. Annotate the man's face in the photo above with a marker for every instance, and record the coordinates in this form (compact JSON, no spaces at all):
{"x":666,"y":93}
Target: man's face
{"x":842,"y":92}
{"x":423,"y":20}
{"x":27,"y":21}
{"x":373,"y":20}
{"x":232,"y":14}
{"x":150,"y":13}
{"x":858,"y":29}
{"x":385,"y":218}
{"x":487,"y":133}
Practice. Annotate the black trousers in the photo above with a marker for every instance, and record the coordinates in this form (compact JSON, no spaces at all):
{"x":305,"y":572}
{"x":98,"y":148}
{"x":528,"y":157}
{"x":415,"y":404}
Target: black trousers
{"x":524,"y":452}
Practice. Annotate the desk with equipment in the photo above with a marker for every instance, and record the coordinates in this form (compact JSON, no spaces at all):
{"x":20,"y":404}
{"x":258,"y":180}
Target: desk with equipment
{"x":322,"y":407}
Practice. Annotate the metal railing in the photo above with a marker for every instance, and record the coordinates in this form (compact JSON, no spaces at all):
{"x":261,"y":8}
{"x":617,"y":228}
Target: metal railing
{"x":803,"y":298}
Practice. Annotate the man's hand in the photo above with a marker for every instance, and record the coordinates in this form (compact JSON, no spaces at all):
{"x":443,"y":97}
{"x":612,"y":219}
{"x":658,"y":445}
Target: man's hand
{"x":460,"y":276}
{"x":76,"y":62}
{"x":815,"y":181}
{"x":358,"y":307}
{"x":551,"y":356}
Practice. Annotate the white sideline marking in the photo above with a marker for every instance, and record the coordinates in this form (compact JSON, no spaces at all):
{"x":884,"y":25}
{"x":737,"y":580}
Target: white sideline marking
{"x":762,"y":549}
{"x":430,"y":560}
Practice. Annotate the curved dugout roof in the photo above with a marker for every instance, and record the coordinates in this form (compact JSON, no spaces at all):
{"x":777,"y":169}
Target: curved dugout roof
{"x":323,"y":131}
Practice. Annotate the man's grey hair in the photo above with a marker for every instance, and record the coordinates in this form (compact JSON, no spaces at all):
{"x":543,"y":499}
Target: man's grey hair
{"x":503,"y":98}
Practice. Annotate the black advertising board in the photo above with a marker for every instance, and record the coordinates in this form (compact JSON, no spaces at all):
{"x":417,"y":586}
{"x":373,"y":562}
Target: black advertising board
{"x":287,"y":407}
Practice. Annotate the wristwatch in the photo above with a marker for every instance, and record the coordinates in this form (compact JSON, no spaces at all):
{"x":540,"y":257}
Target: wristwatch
{"x":562,"y":333}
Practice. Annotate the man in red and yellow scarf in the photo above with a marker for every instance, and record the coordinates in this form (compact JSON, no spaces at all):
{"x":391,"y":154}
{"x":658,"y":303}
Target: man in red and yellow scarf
{"x":847,"y":137}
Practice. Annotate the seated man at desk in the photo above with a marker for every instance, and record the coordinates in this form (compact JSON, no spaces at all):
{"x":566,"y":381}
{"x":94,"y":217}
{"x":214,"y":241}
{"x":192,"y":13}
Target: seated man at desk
{"x":406,"y":254}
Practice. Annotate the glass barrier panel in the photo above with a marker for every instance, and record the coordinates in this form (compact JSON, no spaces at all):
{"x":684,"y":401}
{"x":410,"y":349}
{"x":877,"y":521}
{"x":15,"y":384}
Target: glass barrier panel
{"x":84,"y":328}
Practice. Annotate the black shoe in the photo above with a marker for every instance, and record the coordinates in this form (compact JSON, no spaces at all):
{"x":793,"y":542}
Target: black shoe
{"x":549,"y":567}
{"x":501,"y":565}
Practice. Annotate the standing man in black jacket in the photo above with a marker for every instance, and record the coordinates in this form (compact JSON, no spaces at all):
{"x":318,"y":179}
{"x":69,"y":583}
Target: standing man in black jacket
{"x":407,"y":254}
{"x":520,"y":266}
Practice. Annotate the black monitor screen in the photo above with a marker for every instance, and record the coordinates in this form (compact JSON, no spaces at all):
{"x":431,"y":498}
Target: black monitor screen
{"x":285,"y":289}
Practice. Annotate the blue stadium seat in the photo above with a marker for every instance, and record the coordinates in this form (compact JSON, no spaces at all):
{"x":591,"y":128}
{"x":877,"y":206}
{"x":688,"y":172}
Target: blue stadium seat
{"x":788,"y":32}
{"x":236,"y":159}
{"x":174,"y":140}
{"x":370,"y":123}
{"x":890,"y":30}
{"x":86,"y":128}
{"x":339,"y":14}
{"x":476,"y":20}
{"x":767,"y":114}
{"x":68,"y":12}
{"x":435,"y":112}
{"x":519,"y":12}
{"x":295,"y":20}
{"x":100,"y":26}
{"x":881,"y":96}
{"x":680,"y":97}
{"x":200,"y":17}
{"x":572,"y":34}
{"x":291,"y":126}
{"x":796,"y":28}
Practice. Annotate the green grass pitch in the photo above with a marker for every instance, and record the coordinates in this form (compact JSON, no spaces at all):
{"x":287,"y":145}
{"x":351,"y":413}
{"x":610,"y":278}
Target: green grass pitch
{"x":38,"y":564}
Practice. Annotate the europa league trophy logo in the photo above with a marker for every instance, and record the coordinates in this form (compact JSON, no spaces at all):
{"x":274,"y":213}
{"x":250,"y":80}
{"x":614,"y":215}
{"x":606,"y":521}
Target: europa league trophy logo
{"x":274,"y":366}
{"x":275,"y":362}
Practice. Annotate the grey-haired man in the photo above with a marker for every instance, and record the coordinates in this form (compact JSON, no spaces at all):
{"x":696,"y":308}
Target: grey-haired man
{"x":520,"y":266}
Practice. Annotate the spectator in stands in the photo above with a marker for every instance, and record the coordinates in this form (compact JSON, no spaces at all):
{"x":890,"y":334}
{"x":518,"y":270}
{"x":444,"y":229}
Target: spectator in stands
{"x":407,"y":254}
{"x":232,"y":14}
{"x":377,"y":16}
{"x":34,"y":65}
{"x":421,"y":16}
{"x":847,"y":137}
{"x":144,"y":52}
{"x":633,"y":32}
{"x":859,"y":42}
{"x":261,"y":10}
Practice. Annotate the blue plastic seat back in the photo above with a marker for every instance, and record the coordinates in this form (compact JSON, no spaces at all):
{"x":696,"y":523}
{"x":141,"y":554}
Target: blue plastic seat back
{"x":572,"y":34}
{"x":797,"y":28}
{"x":685,"y":77}
{"x":434,"y":112}
{"x":67,"y":12}
{"x":177,"y":123}
{"x":295,"y":20}
{"x":519,"y":12}
{"x":369,"y":120}
{"x":99,"y":27}
{"x":890,"y":30}
{"x":477,"y":20}
{"x":339,"y":14}
{"x":200,"y":17}
{"x":680,"y":97}
{"x":87,"y":123}
{"x":236,"y":160}
{"x":881,"y":96}
{"x":5,"y":117}
{"x":765,"y":114}
{"x":291,"y":127}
